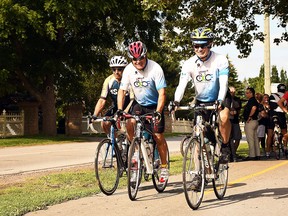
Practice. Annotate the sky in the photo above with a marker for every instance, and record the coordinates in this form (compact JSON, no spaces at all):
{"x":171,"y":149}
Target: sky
{"x":249,"y":67}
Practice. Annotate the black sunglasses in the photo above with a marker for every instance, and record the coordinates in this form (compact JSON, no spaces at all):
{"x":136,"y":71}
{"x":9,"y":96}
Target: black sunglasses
{"x":196,"y":46}
{"x":117,"y":69}
{"x":139,"y":59}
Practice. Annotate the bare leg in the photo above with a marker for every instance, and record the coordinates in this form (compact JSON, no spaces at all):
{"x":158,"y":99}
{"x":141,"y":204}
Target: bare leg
{"x":162,"y":147}
{"x":225,"y":125}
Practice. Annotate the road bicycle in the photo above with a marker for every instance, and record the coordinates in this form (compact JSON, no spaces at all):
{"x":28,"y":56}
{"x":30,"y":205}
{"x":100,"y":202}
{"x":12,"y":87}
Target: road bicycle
{"x":111,"y":155}
{"x":201,"y":161}
{"x":277,"y":144}
{"x":143,"y":156}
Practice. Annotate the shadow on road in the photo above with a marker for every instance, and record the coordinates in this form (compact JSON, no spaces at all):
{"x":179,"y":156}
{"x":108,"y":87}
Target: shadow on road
{"x":275,"y":193}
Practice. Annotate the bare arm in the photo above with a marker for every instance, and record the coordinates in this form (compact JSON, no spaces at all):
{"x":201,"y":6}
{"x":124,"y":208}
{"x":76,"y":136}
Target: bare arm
{"x":161,"y":100}
{"x":120,"y":98}
{"x":99,"y":106}
{"x":281,"y":104}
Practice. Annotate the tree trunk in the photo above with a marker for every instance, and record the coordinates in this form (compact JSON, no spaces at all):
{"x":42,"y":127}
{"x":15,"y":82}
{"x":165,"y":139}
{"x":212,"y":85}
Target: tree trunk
{"x":49,"y":110}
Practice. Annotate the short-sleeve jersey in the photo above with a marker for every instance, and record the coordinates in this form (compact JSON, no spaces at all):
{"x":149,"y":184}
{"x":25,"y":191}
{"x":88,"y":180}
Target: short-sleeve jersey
{"x":285,"y":96}
{"x":208,"y":77}
{"x":110,"y":88}
{"x":144,"y":83}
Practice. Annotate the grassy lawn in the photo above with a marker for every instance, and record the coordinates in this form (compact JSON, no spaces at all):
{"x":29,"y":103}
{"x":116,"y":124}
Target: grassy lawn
{"x":43,"y":140}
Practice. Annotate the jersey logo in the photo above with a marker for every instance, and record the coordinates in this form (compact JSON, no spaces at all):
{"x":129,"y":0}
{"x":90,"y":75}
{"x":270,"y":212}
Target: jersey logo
{"x":113,"y":91}
{"x":204,"y":77}
{"x":141,"y":83}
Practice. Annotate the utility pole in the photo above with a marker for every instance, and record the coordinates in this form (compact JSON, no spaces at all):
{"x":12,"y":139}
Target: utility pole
{"x":267,"y":80}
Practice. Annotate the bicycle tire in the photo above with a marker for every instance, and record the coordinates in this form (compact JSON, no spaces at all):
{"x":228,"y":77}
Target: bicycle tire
{"x":183,"y":144}
{"x":194,"y":196}
{"x":220,"y":182}
{"x":134,"y":173}
{"x":160,"y":187}
{"x":107,"y":169}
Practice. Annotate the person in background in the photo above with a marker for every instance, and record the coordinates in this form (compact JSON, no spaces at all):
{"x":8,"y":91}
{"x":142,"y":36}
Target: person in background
{"x":263,"y":101}
{"x":110,"y":89}
{"x":236,"y":134}
{"x":250,"y":116}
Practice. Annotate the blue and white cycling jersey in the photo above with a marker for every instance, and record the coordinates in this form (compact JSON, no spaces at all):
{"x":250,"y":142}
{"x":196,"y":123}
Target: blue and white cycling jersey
{"x":145,"y":83}
{"x":210,"y":78}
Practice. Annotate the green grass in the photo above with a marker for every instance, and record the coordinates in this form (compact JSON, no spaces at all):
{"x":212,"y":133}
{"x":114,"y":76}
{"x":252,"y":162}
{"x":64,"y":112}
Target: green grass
{"x":41,"y":140}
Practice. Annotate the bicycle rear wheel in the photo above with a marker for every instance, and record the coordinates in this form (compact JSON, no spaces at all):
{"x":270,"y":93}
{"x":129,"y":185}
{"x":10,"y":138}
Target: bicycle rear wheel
{"x":184,"y":143}
{"x":221,"y":181}
{"x":160,"y":187}
{"x":134,"y":173}
{"x":106,"y":167}
{"x":193,"y":174}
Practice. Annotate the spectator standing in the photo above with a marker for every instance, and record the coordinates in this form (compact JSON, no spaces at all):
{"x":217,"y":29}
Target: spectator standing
{"x":263,"y":116}
{"x":251,"y":124}
{"x":236,"y":134}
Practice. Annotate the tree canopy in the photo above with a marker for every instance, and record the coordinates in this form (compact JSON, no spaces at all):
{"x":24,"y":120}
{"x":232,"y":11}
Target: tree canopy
{"x":54,"y":49}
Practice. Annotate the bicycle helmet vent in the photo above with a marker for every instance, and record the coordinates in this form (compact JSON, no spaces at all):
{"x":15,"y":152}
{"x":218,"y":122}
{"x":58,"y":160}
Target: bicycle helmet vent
{"x":118,"y":61}
{"x":202,"y":35}
{"x":136,"y":50}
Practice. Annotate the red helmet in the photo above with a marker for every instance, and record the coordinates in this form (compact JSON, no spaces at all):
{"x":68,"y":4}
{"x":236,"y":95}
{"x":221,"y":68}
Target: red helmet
{"x":136,"y":50}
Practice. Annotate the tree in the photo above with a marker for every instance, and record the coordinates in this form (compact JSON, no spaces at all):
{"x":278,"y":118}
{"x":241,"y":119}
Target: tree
{"x":49,"y":46}
{"x":283,"y":77}
{"x":274,"y":75}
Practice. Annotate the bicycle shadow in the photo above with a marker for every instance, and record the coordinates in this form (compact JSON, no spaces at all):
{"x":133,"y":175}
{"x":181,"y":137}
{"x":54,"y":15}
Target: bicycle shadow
{"x":275,"y":193}
{"x":172,"y":189}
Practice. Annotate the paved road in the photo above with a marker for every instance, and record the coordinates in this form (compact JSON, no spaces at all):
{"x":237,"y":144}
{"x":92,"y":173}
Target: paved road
{"x":255,"y":188}
{"x":15,"y":160}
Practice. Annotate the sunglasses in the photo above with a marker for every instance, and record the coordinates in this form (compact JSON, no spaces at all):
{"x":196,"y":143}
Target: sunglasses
{"x":139,"y":59}
{"x":196,"y":46}
{"x":117,"y":69}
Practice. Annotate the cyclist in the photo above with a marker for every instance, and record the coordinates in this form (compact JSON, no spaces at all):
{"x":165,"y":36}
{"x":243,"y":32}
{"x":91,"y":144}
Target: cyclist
{"x":275,"y":110}
{"x":282,"y":103}
{"x":110,"y":88}
{"x":209,"y":72}
{"x":148,"y":83}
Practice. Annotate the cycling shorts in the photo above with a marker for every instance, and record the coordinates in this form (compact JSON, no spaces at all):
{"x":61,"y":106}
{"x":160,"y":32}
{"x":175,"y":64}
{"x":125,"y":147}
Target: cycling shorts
{"x":137,"y":109}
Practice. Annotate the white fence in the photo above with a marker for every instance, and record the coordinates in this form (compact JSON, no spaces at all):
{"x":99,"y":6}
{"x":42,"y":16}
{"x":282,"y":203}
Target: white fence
{"x":11,"y":124}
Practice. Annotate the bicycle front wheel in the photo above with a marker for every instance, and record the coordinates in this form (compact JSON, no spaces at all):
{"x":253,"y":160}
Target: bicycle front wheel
{"x":159,"y":186}
{"x":106,"y":167}
{"x":183,"y":144}
{"x":220,"y":182}
{"x":134,"y":173}
{"x":193,"y":174}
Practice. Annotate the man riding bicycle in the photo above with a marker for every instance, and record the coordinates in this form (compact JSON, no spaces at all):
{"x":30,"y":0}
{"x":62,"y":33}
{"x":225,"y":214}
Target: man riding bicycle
{"x":147,"y":80}
{"x":282,"y":103}
{"x":209,"y":72}
{"x":110,"y":88}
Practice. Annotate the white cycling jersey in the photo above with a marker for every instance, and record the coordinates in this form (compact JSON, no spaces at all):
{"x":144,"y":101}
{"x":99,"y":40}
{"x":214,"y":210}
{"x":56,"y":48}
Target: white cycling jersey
{"x":210,"y":78}
{"x":145,"y":83}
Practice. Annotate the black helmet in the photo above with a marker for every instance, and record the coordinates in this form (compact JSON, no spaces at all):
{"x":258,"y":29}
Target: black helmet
{"x":281,"y":88}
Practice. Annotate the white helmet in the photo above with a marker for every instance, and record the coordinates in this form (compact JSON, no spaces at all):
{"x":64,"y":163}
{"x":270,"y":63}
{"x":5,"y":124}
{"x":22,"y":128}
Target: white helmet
{"x":118,"y":61}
